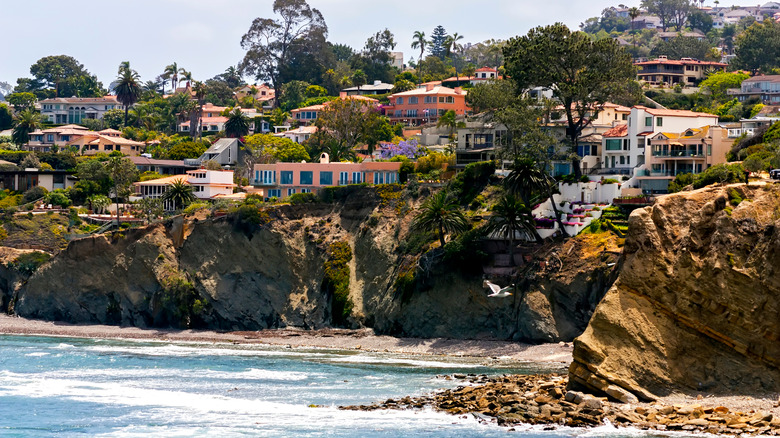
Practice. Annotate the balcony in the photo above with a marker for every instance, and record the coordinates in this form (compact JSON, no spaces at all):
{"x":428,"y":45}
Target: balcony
{"x":678,"y":154}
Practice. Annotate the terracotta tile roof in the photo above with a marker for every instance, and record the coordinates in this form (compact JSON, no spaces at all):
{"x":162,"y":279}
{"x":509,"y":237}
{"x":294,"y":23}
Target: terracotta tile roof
{"x":617,"y":131}
{"x":681,"y":62}
{"x":437,"y":90}
{"x":486,"y":69}
{"x":763,"y":78}
{"x":674,"y":113}
{"x":162,"y":181}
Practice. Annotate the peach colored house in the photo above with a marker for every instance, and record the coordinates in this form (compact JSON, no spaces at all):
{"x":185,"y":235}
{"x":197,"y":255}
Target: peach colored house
{"x":284,"y":179}
{"x":309,"y":114}
{"x":424,"y":105}
{"x":692,"y":151}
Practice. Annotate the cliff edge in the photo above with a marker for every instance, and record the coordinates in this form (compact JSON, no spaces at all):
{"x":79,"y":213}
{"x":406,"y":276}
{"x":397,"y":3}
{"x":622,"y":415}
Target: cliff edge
{"x":695,"y":307}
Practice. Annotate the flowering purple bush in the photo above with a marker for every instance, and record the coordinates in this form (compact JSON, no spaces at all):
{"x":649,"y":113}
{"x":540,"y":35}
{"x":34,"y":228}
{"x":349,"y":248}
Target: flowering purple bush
{"x":409,"y":149}
{"x":544,"y":222}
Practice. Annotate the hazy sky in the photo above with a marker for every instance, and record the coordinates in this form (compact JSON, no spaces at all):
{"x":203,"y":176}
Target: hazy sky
{"x":203,"y":36}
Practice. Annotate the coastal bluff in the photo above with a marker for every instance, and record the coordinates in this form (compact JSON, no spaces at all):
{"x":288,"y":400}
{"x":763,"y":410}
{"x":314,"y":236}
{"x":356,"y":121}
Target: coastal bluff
{"x":696,"y":307}
{"x":222,"y":273}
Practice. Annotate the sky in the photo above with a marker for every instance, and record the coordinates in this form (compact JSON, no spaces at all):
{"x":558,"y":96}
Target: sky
{"x":203,"y":36}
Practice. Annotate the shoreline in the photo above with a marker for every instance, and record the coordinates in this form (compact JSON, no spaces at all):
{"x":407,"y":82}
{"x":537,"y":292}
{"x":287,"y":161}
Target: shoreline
{"x":336,"y":339}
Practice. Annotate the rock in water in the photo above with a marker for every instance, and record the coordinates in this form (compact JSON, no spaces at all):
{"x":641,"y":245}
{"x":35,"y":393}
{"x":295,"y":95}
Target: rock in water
{"x":695,"y":307}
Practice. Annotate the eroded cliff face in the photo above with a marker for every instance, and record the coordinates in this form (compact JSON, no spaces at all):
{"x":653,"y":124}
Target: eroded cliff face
{"x":209,"y":273}
{"x":695,"y":307}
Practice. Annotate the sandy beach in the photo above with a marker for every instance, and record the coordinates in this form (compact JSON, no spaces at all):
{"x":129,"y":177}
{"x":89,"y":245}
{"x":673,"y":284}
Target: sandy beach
{"x":341,"y":339}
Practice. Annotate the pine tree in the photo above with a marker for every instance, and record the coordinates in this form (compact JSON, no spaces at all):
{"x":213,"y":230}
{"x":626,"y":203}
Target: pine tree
{"x":438,"y":44}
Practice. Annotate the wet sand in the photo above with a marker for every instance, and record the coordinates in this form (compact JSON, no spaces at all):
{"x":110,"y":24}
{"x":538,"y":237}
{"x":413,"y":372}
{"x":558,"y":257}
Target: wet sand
{"x":340,"y":339}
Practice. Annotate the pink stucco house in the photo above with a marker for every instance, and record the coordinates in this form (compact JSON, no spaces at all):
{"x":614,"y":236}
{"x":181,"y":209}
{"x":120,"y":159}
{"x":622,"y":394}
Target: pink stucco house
{"x":284,"y":179}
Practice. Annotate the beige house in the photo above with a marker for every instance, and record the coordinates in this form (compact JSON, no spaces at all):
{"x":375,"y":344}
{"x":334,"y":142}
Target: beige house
{"x":692,"y":151}
{"x":88,"y":142}
{"x":686,"y":71}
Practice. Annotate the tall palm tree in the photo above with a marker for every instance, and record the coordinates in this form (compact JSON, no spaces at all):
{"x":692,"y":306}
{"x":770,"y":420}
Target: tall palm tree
{"x":197,"y":113}
{"x":451,"y":43}
{"x":510,"y":217}
{"x":128,"y":87}
{"x":529,"y":181}
{"x":419,"y":41}
{"x":171,"y":73}
{"x":237,"y":124}
{"x":633,"y":13}
{"x":441,"y":214}
{"x":26,"y":122}
{"x":179,"y":194}
{"x":186,"y":76}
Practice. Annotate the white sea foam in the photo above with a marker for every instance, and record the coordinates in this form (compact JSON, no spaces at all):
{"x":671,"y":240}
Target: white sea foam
{"x":37,"y":354}
{"x":194,"y":350}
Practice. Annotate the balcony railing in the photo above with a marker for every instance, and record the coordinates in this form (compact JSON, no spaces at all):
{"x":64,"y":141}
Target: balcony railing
{"x":677,"y":154}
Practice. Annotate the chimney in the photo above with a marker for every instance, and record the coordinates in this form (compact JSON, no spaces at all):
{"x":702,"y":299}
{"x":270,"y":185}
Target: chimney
{"x":377,"y":82}
{"x":428,"y":87}
{"x":342,"y":94}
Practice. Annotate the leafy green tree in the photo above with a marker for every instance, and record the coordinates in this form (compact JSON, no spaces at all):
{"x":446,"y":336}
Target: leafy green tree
{"x":98,"y":203}
{"x":671,"y":12}
{"x":359,"y":79}
{"x":65,"y":75}
{"x":237,"y":124}
{"x":186,"y":149}
{"x":58,"y":197}
{"x":402,"y":85}
{"x":219,"y":93}
{"x":6,"y":117}
{"x":128,"y":87}
{"x":583,"y":74}
{"x":349,"y":122}
{"x":683,"y":47}
{"x":288,"y":151}
{"x":718,"y":83}
{"x":271,"y":43}
{"x":151,"y":208}
{"x":179,"y":194}
{"x":123,"y":174}
{"x":21,"y":101}
{"x":700,"y":20}
{"x":293,"y":94}
{"x":440,"y":214}
{"x":450,"y":121}
{"x":113,"y":118}
{"x":510,"y":217}
{"x":758,"y":47}
{"x":27,"y":122}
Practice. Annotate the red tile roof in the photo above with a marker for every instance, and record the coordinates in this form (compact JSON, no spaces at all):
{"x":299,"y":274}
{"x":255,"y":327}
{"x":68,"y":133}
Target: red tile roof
{"x":617,"y":131}
{"x":674,"y":113}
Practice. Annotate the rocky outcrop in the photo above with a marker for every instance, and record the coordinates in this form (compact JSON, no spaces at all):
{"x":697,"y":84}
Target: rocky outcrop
{"x":695,"y":308}
{"x":219,"y":273}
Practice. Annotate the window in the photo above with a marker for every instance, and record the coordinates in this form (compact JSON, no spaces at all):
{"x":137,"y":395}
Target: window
{"x":613,"y":144}
{"x":306,"y":178}
{"x":379,"y":178}
{"x":65,"y":137}
{"x":266,"y":177}
{"x":305,"y":190}
{"x":412,"y":100}
{"x":626,"y":144}
{"x":628,"y":160}
{"x":648,"y":121}
{"x":430,"y":99}
{"x":50,"y":137}
{"x":625,"y":116}
{"x":109,"y":147}
{"x":441,"y":99}
{"x":275,"y":193}
{"x":399,"y":113}
{"x":343,"y":178}
{"x":326,"y":178}
{"x":450,"y":99}
{"x":357,"y":178}
{"x":442,"y":112}
{"x":659,"y":121}
{"x":399,"y":101}
{"x":709,"y":150}
{"x":290,"y":192}
{"x":411,"y":113}
{"x":622,"y":159}
{"x":286,"y":177}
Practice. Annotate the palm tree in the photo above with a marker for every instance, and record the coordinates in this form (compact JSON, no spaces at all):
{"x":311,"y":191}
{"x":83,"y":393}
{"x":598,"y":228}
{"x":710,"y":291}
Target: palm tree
{"x":452,"y":46}
{"x":171,"y":73}
{"x":26,"y":122}
{"x":237,"y":124}
{"x":419,"y":41}
{"x":633,"y":13}
{"x":450,"y":120}
{"x":528,"y":180}
{"x":510,"y":217}
{"x":186,"y":76}
{"x":197,"y":114}
{"x":179,"y":194}
{"x":128,"y":87}
{"x":441,"y":213}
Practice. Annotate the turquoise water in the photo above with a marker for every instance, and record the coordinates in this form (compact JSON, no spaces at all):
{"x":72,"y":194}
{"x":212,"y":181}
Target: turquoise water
{"x":84,"y":387}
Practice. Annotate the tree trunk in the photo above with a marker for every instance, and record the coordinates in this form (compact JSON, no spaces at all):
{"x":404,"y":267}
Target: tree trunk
{"x":126,"y":110}
{"x":512,"y":247}
{"x":441,"y":235}
{"x":557,"y":216}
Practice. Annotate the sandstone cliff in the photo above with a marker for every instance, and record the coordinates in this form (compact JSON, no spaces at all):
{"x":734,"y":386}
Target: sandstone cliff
{"x":695,"y":307}
{"x":213,"y":273}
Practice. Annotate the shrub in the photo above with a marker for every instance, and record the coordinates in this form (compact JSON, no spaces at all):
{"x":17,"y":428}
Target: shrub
{"x":610,"y":181}
{"x":34,"y":194}
{"x":469,"y":183}
{"x":58,"y":197}
{"x":29,"y":262}
{"x":179,"y":300}
{"x":302,"y":198}
{"x":734,"y":197}
{"x":585,"y":179}
{"x":465,"y":252}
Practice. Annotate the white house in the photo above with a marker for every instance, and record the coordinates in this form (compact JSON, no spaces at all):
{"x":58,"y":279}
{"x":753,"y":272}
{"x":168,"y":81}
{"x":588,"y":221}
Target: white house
{"x":62,"y":110}
{"x":206,"y":184}
{"x":623,"y":147}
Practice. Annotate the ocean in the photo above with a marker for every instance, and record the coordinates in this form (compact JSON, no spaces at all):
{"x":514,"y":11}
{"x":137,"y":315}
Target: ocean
{"x":53,"y":386}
